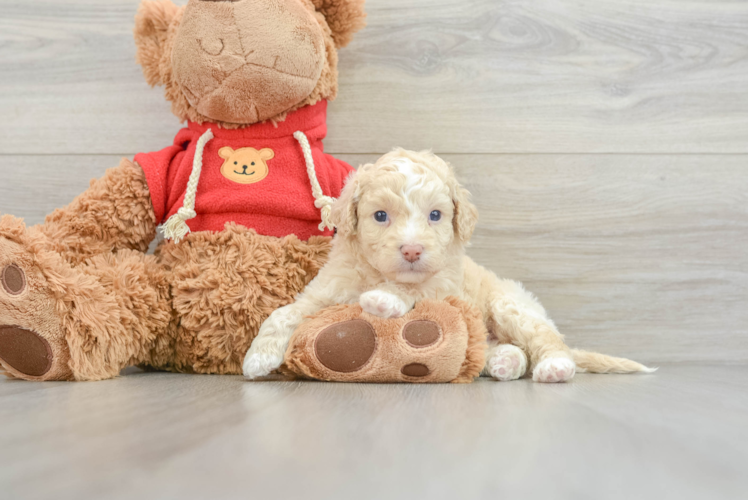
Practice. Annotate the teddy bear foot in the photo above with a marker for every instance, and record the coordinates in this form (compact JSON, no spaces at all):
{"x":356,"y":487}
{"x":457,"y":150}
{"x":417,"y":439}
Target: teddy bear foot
{"x":437,"y":342}
{"x":32,"y":340}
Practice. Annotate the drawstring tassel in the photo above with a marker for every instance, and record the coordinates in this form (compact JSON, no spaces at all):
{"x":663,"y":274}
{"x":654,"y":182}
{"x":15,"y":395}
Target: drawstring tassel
{"x":176,"y":227}
{"x":322,"y":202}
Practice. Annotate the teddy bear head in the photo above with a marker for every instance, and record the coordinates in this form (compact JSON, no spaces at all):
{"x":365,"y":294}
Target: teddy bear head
{"x":240,"y":62}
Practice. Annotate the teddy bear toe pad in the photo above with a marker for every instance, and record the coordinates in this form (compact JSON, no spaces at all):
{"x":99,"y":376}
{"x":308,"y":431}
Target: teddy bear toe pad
{"x":421,"y":333}
{"x":13,"y":279}
{"x":415,"y":370}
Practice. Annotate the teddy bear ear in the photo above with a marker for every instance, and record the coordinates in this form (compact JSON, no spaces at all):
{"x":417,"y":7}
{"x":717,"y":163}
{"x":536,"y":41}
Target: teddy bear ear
{"x":225,"y":152}
{"x":267,"y":154}
{"x":151,"y":29}
{"x":344,"y":17}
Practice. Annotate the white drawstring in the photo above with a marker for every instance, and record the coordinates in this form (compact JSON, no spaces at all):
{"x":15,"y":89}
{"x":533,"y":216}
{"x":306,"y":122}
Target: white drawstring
{"x":176,"y":227}
{"x":322,"y":202}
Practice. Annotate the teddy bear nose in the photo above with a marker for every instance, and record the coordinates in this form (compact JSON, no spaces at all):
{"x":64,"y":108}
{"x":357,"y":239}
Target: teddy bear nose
{"x":411,"y":253}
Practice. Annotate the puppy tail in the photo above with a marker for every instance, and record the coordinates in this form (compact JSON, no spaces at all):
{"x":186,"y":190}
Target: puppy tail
{"x":594,"y":362}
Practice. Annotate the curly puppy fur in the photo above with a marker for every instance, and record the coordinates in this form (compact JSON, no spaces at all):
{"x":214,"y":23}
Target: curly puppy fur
{"x":403,"y":224}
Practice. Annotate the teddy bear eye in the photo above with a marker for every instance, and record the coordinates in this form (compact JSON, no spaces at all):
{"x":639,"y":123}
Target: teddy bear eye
{"x":253,"y":164}
{"x":236,"y":163}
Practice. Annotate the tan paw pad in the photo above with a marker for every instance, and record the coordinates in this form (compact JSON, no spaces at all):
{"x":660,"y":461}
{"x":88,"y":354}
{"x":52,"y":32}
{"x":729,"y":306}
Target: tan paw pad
{"x":422,"y":333}
{"x":13,"y":279}
{"x":25,"y":351}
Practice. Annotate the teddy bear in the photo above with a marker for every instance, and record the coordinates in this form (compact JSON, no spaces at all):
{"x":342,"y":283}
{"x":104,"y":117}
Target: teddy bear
{"x":242,"y":197}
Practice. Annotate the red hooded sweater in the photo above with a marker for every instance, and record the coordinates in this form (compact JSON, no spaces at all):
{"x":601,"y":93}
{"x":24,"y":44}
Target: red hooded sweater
{"x":256,"y":176}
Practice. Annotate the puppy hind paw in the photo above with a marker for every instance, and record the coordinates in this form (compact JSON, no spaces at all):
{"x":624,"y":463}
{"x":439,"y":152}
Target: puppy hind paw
{"x":552,"y":370}
{"x":508,"y":363}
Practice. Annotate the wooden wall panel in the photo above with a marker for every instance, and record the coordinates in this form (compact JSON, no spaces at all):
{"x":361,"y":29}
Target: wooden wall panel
{"x":636,"y":255}
{"x":467,"y":76}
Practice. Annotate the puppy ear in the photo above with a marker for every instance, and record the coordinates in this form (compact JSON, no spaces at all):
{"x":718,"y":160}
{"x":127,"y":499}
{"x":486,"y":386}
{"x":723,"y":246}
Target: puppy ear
{"x":345,"y":210}
{"x":344,"y":17}
{"x":151,"y":30}
{"x":466,"y":214}
{"x":225,"y":152}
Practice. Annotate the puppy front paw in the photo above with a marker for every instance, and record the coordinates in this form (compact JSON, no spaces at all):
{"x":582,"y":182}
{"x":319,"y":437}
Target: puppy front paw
{"x":383,"y":304}
{"x":261,"y":364}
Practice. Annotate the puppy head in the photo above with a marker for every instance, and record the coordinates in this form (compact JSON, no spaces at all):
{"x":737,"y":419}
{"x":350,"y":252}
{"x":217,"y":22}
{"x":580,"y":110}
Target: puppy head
{"x":406,"y":215}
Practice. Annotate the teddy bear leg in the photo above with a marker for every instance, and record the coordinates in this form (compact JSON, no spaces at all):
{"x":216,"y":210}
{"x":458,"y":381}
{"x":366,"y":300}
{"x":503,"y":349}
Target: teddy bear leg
{"x":40,"y":279}
{"x":115,"y":213}
{"x":85,"y":323}
{"x":123,"y":316}
{"x":32,"y":338}
{"x":224,"y":285}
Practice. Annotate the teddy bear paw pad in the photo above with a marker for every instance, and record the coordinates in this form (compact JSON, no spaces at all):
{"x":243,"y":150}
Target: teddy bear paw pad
{"x":346,"y":347}
{"x":25,"y":351}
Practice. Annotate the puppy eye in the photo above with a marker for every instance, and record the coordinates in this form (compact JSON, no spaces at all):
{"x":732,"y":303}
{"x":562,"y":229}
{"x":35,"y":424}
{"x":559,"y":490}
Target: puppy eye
{"x":436,"y":215}
{"x":380,"y":216}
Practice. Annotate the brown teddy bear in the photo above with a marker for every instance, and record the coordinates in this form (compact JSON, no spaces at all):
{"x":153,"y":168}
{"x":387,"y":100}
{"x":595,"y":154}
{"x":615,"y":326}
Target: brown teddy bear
{"x":243,"y":196}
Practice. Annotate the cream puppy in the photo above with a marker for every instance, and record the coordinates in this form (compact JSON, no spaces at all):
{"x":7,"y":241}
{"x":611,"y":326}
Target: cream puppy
{"x":403,"y":224}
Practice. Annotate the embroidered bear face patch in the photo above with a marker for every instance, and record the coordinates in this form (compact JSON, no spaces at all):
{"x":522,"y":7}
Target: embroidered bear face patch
{"x":245,"y":165}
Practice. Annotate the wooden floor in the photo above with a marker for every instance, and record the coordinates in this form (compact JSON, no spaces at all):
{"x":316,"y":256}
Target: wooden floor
{"x":680,"y":433}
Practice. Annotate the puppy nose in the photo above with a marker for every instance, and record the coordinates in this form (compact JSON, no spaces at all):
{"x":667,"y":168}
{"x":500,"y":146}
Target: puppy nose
{"x":411,"y":253}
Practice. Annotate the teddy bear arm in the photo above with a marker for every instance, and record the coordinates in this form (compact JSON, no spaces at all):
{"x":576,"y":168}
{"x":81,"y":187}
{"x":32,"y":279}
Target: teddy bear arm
{"x":114,"y":213}
{"x":438,"y":341}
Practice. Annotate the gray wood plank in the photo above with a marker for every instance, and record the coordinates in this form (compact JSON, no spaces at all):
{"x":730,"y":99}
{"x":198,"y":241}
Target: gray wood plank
{"x":679,"y":433}
{"x":475,"y":76}
{"x":634,"y":255}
